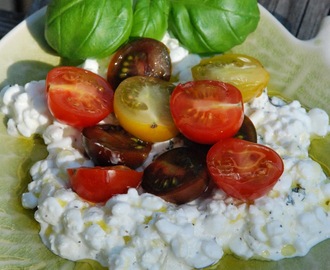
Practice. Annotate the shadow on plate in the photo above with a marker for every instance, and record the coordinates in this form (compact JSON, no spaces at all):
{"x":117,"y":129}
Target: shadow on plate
{"x":18,"y":72}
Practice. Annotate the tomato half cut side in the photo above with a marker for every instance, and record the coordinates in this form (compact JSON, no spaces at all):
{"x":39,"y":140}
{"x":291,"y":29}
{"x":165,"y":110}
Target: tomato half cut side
{"x":78,"y":97}
{"x":243,"y":71}
{"x":98,"y":184}
{"x":140,"y":57}
{"x":207,"y":111}
{"x":142,"y":107}
{"x":243,"y":169}
{"x":111,"y":145}
{"x":178,"y":176}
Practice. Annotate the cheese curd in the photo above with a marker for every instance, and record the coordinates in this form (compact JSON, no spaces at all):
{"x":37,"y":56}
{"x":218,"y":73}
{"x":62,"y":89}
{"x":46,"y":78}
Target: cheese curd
{"x":27,"y":108}
{"x":141,"y":231}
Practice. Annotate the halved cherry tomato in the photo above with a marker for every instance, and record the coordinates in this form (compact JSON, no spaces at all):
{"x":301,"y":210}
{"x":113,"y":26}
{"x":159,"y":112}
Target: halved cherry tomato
{"x":98,"y":184}
{"x":244,"y":170}
{"x":142,"y":107}
{"x":178,"y":176}
{"x":244,"y":72}
{"x":207,"y":111}
{"x":111,"y":145}
{"x":247,"y":131}
{"x":142,"y":56}
{"x":78,"y":97}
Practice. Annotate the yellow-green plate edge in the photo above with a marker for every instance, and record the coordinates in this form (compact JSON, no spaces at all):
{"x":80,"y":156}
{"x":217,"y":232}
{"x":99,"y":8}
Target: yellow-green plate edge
{"x":299,"y":70}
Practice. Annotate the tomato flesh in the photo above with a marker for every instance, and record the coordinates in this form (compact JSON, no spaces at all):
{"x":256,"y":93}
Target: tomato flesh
{"x":140,"y":57}
{"x":98,"y":184}
{"x":178,"y":176}
{"x":207,"y":111}
{"x":111,"y":145}
{"x":141,"y":105}
{"x":243,"y":169}
{"x":78,"y":97}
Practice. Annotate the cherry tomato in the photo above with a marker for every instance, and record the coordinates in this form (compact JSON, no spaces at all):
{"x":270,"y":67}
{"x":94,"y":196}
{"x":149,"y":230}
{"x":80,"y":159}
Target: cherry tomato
{"x":244,"y":170}
{"x":202,"y":149}
{"x":207,"y":111}
{"x":112,"y":145}
{"x":142,"y":56}
{"x":98,"y":184}
{"x":247,"y":131}
{"x":178,"y":176}
{"x":244,"y":72}
{"x":141,"y":105}
{"x":78,"y":97}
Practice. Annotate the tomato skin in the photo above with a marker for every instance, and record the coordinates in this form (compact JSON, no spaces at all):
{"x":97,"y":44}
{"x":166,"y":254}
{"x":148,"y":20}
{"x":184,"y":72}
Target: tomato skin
{"x":140,"y":57}
{"x":98,"y":184}
{"x":243,"y":169}
{"x":178,"y":175}
{"x":78,"y":97}
{"x":247,"y":131}
{"x":207,"y":111}
{"x":243,"y":71}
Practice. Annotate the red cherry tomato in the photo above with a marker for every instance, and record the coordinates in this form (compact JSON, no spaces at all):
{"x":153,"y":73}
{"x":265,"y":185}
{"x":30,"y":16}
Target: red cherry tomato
{"x":207,"y":111}
{"x":98,"y":184}
{"x":243,"y":169}
{"x":178,"y":175}
{"x":78,"y":97}
{"x":140,"y":57}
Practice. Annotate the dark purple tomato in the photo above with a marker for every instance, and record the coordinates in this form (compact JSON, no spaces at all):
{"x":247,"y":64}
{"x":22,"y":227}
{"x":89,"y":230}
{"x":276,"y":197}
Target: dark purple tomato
{"x":202,"y":149}
{"x":108,"y":145}
{"x":247,"y":131}
{"x":142,"y":56}
{"x":178,"y":176}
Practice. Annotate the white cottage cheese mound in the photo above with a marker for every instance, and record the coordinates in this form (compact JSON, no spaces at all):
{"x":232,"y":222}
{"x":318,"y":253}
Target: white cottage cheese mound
{"x":141,"y":231}
{"x":27,"y":108}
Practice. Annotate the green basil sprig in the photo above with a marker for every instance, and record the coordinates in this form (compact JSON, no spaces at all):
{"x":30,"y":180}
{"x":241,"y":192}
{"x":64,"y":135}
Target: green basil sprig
{"x":212,"y":26}
{"x":79,"y":29}
{"x":150,"y":18}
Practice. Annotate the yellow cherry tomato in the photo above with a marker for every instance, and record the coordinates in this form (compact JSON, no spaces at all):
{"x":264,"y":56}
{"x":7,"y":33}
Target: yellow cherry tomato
{"x":242,"y":71}
{"x":142,"y":106}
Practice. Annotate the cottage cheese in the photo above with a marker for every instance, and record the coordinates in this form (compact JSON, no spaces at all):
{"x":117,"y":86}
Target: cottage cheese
{"x":141,"y":231}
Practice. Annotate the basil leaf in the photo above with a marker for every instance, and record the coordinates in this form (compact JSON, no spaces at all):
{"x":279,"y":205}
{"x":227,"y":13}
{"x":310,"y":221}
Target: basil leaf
{"x":79,"y":29}
{"x":150,"y":18}
{"x":212,"y":26}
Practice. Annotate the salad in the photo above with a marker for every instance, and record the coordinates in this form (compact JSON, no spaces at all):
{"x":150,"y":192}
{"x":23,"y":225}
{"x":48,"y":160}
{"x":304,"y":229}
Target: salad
{"x":150,"y":109}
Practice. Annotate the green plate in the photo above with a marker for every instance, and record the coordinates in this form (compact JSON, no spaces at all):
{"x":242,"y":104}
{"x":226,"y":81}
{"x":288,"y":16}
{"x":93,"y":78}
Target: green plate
{"x":299,"y":70}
